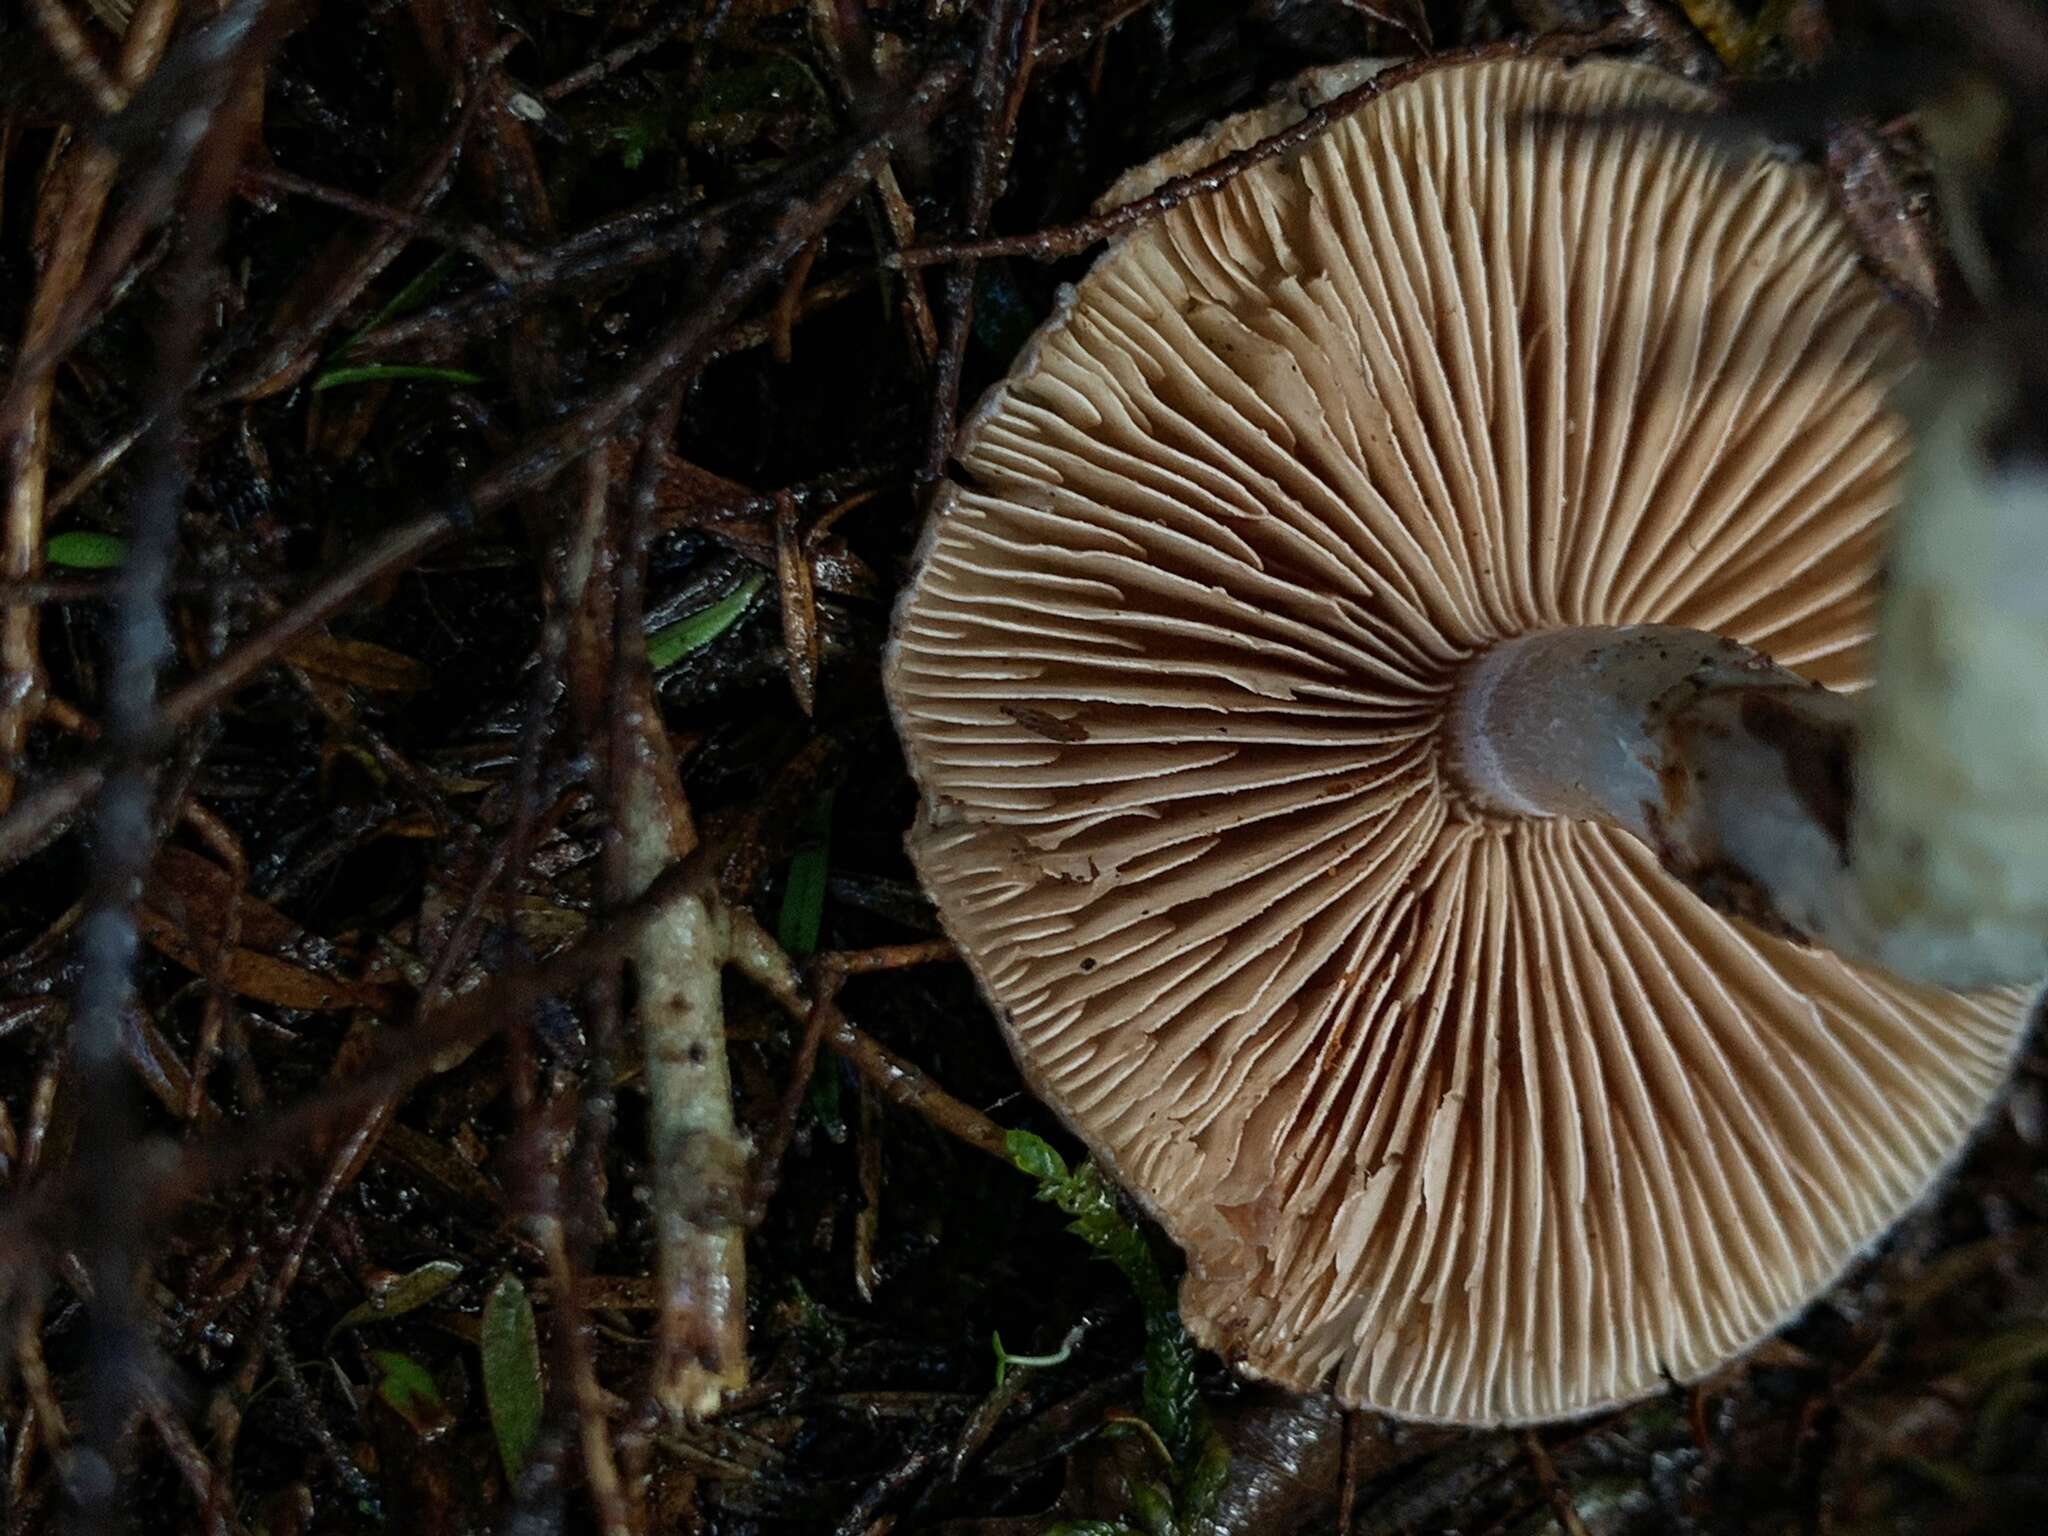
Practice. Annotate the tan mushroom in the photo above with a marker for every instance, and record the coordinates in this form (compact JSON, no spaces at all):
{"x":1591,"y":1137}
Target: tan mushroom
{"x":1237,"y":678}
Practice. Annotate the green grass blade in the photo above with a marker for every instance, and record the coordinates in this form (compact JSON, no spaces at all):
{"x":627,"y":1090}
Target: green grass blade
{"x":672,"y":642}
{"x":387,"y":373}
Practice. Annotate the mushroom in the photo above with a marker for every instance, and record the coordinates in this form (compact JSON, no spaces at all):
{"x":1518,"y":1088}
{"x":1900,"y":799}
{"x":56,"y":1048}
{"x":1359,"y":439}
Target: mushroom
{"x":1363,"y":689}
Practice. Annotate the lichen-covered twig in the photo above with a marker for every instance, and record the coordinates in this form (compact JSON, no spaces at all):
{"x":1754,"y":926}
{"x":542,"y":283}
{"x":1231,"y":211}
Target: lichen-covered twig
{"x":698,"y":1153}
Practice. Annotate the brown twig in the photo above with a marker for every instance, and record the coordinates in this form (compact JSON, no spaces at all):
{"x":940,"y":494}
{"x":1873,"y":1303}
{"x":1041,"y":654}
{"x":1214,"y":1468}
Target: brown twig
{"x":900,"y":1082}
{"x":46,"y":1211}
{"x":799,"y":600}
{"x":339,"y":275}
{"x":502,"y":256}
{"x":867,"y":1163}
{"x":1554,"y":1490}
{"x":689,"y":341}
{"x":213,"y":1019}
{"x":208,"y":1487}
{"x":609,"y":64}
{"x":351,"y":1475}
{"x":908,"y":1086}
{"x":573,"y":1331}
{"x":41,"y":813}
{"x":821,"y":1018}
{"x":1083,"y":34}
{"x":1001,"y":75}
{"x":89,"y":474}
{"x":120,"y":1358}
{"x":1062,"y":240}
{"x":200,"y":62}
{"x":789,"y":303}
{"x":1353,"y":1456}
{"x":657,"y":232}
{"x":74,"y":52}
{"x":84,"y":181}
{"x":67,"y":40}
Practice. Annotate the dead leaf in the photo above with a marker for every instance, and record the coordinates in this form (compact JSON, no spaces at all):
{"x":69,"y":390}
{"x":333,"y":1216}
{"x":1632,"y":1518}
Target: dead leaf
{"x":799,"y":606}
{"x":459,"y":1178}
{"x":184,"y":914}
{"x":360,"y":664}
{"x":1893,"y":225}
{"x":689,"y":497}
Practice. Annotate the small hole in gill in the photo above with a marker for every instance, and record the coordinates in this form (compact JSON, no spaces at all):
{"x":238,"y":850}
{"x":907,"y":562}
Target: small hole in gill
{"x":1087,"y":964}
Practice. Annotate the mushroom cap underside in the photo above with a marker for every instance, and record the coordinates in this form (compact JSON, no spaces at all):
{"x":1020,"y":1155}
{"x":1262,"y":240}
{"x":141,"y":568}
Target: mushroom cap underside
{"x":1474,"y":1119}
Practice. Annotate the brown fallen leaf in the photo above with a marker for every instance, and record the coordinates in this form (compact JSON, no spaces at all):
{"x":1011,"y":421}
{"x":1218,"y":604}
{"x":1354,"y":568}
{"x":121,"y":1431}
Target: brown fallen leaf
{"x":1892,"y":220}
{"x":457,"y":1177}
{"x":687,"y":496}
{"x":799,"y":606}
{"x":359,"y":663}
{"x":185,"y":911}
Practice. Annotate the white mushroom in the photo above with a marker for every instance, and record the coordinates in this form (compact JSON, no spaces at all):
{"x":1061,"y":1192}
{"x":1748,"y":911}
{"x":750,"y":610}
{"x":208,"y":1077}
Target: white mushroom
{"x":1252,"y":679}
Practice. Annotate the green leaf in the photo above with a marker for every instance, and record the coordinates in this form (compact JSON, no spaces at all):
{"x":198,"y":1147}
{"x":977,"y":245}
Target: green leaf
{"x":797,"y":929}
{"x":1035,"y":1156}
{"x":401,"y":1295}
{"x":512,"y":1381}
{"x":803,"y":893}
{"x":1092,"y":1528}
{"x":405,"y":1386}
{"x":672,"y":642}
{"x":384,"y":373}
{"x":83,"y":551}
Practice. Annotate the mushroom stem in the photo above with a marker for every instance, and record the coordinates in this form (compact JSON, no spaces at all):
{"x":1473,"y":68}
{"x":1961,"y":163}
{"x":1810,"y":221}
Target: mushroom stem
{"x":1735,"y":772}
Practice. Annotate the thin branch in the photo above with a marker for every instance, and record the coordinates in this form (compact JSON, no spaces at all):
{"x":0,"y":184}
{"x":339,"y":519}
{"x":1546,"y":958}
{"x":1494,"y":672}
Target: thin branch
{"x":1561,"y":1507}
{"x":1059,"y":241}
{"x":689,"y":341}
{"x":74,"y":50}
{"x":340,"y":275}
{"x":901,"y":1082}
{"x":118,"y":1369}
{"x":44,"y":1214}
{"x":1087,"y":32}
{"x":84,"y":187}
{"x":609,"y":64}
{"x":199,"y":65}
{"x":494,"y":251}
{"x":824,"y":1019}
{"x":1001,"y":76}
